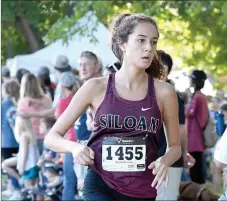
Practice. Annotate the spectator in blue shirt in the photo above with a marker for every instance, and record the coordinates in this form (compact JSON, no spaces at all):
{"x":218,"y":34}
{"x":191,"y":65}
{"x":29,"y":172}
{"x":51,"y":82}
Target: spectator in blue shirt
{"x":11,"y":94}
{"x":8,"y":115}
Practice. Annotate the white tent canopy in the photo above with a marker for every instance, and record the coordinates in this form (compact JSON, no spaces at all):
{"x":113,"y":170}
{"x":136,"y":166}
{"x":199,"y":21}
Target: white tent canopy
{"x":73,"y":50}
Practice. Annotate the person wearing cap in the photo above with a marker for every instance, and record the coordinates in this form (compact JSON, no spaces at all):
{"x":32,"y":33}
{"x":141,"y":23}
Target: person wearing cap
{"x":220,"y":159}
{"x":197,"y":116}
{"x":61,"y":65}
{"x":20,"y":73}
{"x":45,"y":81}
{"x":69,"y":84}
{"x":5,"y":74}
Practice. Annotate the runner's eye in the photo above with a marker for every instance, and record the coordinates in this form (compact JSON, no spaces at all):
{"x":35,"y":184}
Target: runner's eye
{"x":141,"y":40}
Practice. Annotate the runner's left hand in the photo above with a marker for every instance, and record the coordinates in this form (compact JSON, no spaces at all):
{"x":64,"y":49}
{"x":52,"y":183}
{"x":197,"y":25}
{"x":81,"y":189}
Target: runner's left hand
{"x":160,"y":170}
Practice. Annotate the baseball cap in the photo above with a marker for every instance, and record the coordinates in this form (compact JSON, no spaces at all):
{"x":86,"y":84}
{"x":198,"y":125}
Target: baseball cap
{"x":61,"y":63}
{"x":198,"y":75}
{"x":5,"y":71}
{"x":67,"y":79}
{"x":220,"y":153}
{"x":43,"y":70}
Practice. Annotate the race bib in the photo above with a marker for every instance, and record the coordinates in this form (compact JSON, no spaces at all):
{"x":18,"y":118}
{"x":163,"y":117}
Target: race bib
{"x":126,"y":154}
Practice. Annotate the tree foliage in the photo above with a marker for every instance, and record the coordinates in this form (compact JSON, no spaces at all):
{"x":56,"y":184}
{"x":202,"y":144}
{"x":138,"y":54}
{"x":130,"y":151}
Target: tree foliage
{"x":194,"y":32}
{"x":36,"y":19}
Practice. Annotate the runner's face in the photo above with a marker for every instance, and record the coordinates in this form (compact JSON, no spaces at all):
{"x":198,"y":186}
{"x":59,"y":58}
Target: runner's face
{"x":88,"y":68}
{"x":141,"y":46}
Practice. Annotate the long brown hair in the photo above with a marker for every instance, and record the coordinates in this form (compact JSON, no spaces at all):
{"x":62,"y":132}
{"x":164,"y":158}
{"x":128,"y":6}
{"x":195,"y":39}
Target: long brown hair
{"x":30,"y":87}
{"x":122,"y":27}
{"x":23,"y":126}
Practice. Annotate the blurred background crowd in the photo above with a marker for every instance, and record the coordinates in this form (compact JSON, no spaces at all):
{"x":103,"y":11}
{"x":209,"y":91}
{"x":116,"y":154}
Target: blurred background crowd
{"x":32,"y":103}
{"x":39,"y":82}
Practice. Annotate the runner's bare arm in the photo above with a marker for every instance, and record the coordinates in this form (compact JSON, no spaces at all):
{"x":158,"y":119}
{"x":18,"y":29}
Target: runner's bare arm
{"x":81,"y":100}
{"x":169,"y":110}
{"x":184,"y":140}
{"x":171,"y":121}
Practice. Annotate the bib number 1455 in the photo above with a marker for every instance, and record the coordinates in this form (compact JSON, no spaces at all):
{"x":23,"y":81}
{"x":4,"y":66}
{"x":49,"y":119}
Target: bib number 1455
{"x":126,"y":154}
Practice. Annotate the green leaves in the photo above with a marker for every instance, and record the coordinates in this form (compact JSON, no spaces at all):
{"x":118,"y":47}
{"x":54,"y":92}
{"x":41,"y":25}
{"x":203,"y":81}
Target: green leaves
{"x":194,"y":32}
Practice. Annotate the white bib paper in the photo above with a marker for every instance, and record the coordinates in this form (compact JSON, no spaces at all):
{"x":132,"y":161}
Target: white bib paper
{"x":126,"y":154}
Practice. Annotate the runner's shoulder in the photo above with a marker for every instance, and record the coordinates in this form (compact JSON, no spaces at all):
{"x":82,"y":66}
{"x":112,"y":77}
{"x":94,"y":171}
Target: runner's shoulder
{"x":97,"y":84}
{"x":163,"y":88}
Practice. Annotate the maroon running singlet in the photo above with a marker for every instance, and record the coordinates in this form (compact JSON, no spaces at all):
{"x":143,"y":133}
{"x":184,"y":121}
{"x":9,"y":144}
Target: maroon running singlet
{"x":125,"y":141}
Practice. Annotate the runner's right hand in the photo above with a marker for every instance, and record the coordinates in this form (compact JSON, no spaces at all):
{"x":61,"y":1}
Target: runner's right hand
{"x":83,"y":155}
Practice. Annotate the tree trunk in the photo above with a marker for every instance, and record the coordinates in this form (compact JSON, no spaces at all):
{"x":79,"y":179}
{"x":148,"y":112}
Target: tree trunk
{"x":70,"y":8}
{"x":28,"y":33}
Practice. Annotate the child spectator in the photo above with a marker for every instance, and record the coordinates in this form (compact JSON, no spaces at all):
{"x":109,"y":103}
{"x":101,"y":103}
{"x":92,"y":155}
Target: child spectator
{"x":10,"y":92}
{"x":8,"y":107}
{"x":45,"y":125}
{"x":53,"y":178}
{"x":197,"y":115}
{"x":28,"y":155}
{"x":26,"y":158}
